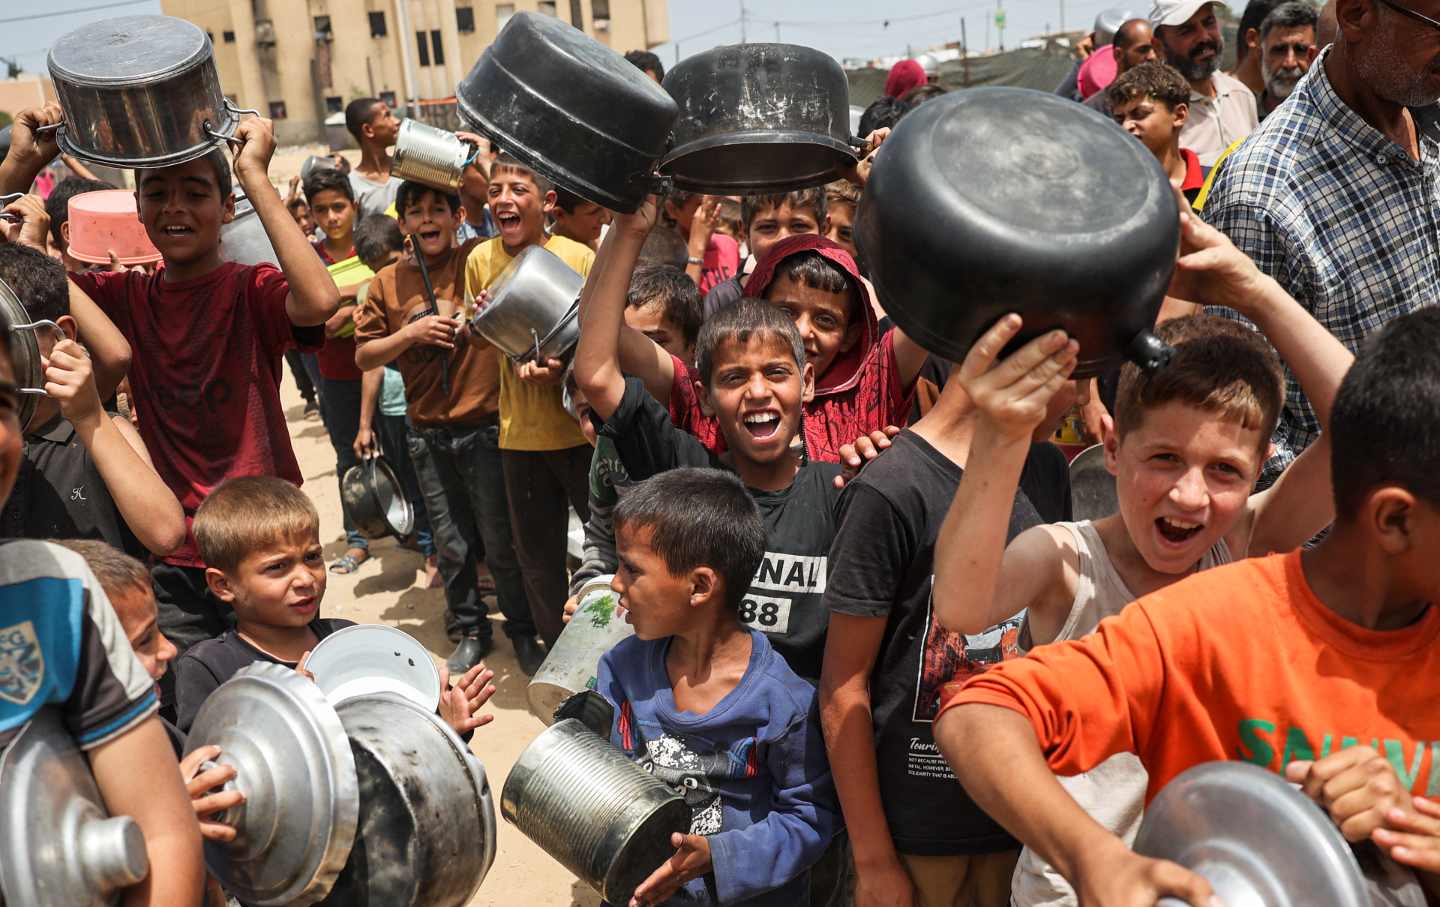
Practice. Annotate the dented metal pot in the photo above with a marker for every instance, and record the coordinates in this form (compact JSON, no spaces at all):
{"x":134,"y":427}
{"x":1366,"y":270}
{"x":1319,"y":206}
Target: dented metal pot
{"x":532,"y":312}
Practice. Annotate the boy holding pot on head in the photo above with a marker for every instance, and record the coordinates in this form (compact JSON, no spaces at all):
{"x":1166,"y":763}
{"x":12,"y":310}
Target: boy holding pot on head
{"x":208,"y":336}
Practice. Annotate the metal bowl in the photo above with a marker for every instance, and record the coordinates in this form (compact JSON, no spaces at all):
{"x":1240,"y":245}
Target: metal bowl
{"x":533,"y":308}
{"x":375,"y":500}
{"x":56,"y":844}
{"x":1257,"y":840}
{"x":140,"y":91}
{"x":374,"y":658}
{"x":430,"y":156}
{"x":1092,"y":487}
{"x":24,"y":350}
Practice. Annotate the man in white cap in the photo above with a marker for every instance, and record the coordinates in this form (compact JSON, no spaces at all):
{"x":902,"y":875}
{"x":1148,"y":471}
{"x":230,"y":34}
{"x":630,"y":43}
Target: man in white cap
{"x":1222,"y":109}
{"x":1337,"y":194}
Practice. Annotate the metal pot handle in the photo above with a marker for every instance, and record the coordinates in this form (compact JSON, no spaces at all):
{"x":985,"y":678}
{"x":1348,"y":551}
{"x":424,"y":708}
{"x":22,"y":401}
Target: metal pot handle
{"x":34,"y":325}
{"x":1149,"y":352}
{"x":53,"y":127}
{"x":238,"y":111}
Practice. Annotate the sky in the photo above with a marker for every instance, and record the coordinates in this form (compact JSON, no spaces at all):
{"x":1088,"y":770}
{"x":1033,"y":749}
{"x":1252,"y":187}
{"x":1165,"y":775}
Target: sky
{"x":842,"y":28}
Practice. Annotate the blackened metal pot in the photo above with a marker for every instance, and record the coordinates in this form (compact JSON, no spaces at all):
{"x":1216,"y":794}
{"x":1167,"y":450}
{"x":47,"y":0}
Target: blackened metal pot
{"x":759,"y":118}
{"x":375,"y":500}
{"x":995,"y":200}
{"x":572,"y":109}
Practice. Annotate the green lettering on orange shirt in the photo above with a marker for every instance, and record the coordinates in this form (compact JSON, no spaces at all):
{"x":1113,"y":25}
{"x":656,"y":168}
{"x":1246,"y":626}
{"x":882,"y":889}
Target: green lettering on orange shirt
{"x":1297,"y":747}
{"x":1254,"y":748}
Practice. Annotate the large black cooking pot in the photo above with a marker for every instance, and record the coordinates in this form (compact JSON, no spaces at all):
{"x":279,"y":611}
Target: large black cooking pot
{"x":759,"y":118}
{"x":571,"y":108}
{"x":996,"y":200}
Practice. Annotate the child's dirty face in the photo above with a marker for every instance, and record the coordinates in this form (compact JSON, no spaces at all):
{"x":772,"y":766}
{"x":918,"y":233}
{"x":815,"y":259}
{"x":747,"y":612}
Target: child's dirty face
{"x":1150,"y":121}
{"x":656,"y":602}
{"x":138,"y":617}
{"x":279,"y":585}
{"x":824,"y":319}
{"x":10,"y":426}
{"x":431,"y":218}
{"x":334,"y":212}
{"x":182,"y":210}
{"x":757,"y":392}
{"x":650,"y":320}
{"x":1184,"y":477}
{"x":518,"y":207}
{"x":770,"y":225}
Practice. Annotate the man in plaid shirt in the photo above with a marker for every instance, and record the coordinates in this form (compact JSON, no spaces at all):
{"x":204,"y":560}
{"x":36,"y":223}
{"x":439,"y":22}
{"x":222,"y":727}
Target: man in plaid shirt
{"x":1337,"y":194}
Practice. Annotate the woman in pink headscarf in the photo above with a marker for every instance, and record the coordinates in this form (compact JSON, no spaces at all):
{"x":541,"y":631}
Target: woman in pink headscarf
{"x":904,"y":76}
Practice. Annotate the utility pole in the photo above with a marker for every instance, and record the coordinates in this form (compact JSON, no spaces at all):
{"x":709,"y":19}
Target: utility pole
{"x":742,"y":21}
{"x":407,"y":68}
{"x":777,"y":33}
{"x":964,"y":52}
{"x":1062,"y":15}
{"x":1000,"y":22}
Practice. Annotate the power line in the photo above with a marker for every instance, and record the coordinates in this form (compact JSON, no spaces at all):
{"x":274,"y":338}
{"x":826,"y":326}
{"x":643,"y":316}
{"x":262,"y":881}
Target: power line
{"x":65,"y":12}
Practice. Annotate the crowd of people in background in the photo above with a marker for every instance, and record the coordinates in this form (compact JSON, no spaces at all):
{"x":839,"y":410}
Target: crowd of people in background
{"x":872,"y":643}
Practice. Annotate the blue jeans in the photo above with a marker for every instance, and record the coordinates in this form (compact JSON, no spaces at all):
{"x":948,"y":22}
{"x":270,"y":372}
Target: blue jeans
{"x":340,"y":408}
{"x":391,"y":430}
{"x":464,"y":488}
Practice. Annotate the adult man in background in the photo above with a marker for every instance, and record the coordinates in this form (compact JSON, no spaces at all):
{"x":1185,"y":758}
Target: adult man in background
{"x":1247,"y":38}
{"x":1286,"y":50}
{"x":1134,"y":44}
{"x":1222,"y":108}
{"x":1336,"y":195}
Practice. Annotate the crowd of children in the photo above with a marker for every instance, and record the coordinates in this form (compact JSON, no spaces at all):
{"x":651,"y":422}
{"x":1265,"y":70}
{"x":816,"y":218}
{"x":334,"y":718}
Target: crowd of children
{"x":873,"y":648}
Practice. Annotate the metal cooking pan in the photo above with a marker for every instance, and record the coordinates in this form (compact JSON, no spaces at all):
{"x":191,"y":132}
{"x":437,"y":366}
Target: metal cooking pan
{"x":140,"y":91}
{"x":372,"y":495}
{"x":24,"y":347}
{"x":759,"y":118}
{"x":569,"y":107}
{"x":533,"y":311}
{"x":1092,"y":487}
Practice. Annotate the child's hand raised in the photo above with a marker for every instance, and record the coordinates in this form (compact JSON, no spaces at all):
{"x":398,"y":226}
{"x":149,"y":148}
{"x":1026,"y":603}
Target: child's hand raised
{"x":642,"y":221}
{"x":201,"y":783}
{"x":865,"y":448}
{"x":256,"y":140}
{"x":691,"y":860}
{"x":1013,"y":395}
{"x":1211,"y":271}
{"x":28,"y":145}
{"x":70,"y":382}
{"x":32,"y":227}
{"x":461,"y":703}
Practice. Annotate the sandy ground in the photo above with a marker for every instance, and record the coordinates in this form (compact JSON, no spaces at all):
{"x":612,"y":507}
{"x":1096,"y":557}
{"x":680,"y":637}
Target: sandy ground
{"x":388,"y":589}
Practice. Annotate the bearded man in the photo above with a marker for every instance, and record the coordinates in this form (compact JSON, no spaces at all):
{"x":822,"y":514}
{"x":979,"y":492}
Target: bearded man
{"x":1286,"y":48}
{"x":1222,"y":108}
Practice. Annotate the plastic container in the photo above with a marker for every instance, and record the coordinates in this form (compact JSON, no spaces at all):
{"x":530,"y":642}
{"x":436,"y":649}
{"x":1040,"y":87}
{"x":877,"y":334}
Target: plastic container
{"x":108,"y":220}
{"x":570,"y":666}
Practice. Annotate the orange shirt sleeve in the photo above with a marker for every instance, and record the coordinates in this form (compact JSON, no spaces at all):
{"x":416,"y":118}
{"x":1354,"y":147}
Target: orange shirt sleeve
{"x":1087,"y":699}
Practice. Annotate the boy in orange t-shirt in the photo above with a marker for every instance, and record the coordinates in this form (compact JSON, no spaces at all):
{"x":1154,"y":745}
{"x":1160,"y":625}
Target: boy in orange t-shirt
{"x":1320,"y":664}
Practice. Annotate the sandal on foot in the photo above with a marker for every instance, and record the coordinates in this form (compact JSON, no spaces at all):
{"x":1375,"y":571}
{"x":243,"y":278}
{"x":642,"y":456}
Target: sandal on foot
{"x":348,"y":563}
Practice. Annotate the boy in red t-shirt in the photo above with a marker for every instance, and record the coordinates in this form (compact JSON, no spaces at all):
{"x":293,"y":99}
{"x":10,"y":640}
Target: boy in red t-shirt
{"x":1151,"y":102}
{"x":208,"y":336}
{"x":1320,"y":664}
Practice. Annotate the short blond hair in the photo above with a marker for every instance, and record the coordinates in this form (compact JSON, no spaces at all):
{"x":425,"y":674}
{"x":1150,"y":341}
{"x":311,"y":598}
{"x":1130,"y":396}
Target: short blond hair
{"x":243,"y":515}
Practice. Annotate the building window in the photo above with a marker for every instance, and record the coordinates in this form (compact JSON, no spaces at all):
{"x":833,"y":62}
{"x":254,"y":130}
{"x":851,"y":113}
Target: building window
{"x":389,"y":98}
{"x":277,"y":110}
{"x":422,"y":41}
{"x":334,"y":104}
{"x":600,"y":9}
{"x":437,"y":48}
{"x":465,"y":19}
{"x":377,"y":25}
{"x":322,"y":29}
{"x":503,"y":12}
{"x":547,"y":7}
{"x":577,"y":18}
{"x":228,"y":37}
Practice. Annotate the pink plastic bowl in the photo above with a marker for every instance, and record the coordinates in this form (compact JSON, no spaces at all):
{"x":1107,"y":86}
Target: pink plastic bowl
{"x":105,"y":221}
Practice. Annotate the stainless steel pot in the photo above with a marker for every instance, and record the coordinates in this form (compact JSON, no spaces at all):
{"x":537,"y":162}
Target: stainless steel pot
{"x":244,"y":240}
{"x":602,"y":816}
{"x":571,"y":108}
{"x":570,"y":665}
{"x":294,"y":764}
{"x":24,"y":349}
{"x":373,"y":658}
{"x":372,"y":495}
{"x":759,"y":118}
{"x":427,"y":821}
{"x":1092,"y":487}
{"x":430,"y":156}
{"x":57,"y":845}
{"x":1254,"y":837}
{"x":533,"y":309}
{"x":140,"y":91}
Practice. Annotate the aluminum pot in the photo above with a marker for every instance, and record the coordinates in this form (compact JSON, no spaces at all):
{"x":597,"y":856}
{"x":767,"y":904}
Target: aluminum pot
{"x":375,"y":500}
{"x":244,"y":240}
{"x":572,"y":109}
{"x":1006,"y":178}
{"x":294,"y":764}
{"x":570,"y":665}
{"x":759,"y":118}
{"x":24,"y":349}
{"x":430,"y":156}
{"x":374,"y":658}
{"x":140,"y":91}
{"x":427,"y":821}
{"x":533,"y":309}
{"x":603,"y":817}
{"x":1092,"y":487}
{"x":1254,"y":837}
{"x":57,"y":845}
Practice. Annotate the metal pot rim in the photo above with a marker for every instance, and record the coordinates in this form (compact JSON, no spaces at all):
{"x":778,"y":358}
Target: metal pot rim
{"x":226,"y":129}
{"x":23,"y":349}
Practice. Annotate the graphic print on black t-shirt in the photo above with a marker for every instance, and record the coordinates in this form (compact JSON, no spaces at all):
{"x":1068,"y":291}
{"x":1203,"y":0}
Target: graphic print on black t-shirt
{"x":948,"y":657}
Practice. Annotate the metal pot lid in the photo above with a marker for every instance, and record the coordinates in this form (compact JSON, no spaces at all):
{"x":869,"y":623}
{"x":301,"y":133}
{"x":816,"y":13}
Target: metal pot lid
{"x":1092,"y":487}
{"x":1254,"y":837}
{"x":294,"y":765}
{"x":86,"y":858}
{"x":24,"y":352}
{"x":129,"y":50}
{"x":374,"y":658}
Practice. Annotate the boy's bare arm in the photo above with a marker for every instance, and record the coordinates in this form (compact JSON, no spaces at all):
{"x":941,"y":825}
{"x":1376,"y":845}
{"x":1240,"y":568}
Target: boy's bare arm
{"x":851,"y":647}
{"x":1010,"y":399}
{"x":138,"y":777}
{"x":604,"y":356}
{"x":30,"y":153}
{"x":313,"y":297}
{"x":370,"y":383}
{"x":110,"y":352}
{"x":909,"y":356}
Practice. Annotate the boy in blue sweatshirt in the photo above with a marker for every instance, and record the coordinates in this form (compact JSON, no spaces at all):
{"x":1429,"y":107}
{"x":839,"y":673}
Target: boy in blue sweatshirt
{"x":707,"y":705}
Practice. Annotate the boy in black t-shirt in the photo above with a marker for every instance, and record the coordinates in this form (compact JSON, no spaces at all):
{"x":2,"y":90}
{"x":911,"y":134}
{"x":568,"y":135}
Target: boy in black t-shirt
{"x":755,"y":379}
{"x":260,"y":538}
{"x":916,"y":836}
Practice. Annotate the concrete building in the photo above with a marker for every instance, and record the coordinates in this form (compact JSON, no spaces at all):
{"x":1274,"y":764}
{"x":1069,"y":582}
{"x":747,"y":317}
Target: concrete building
{"x":301,"y":61}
